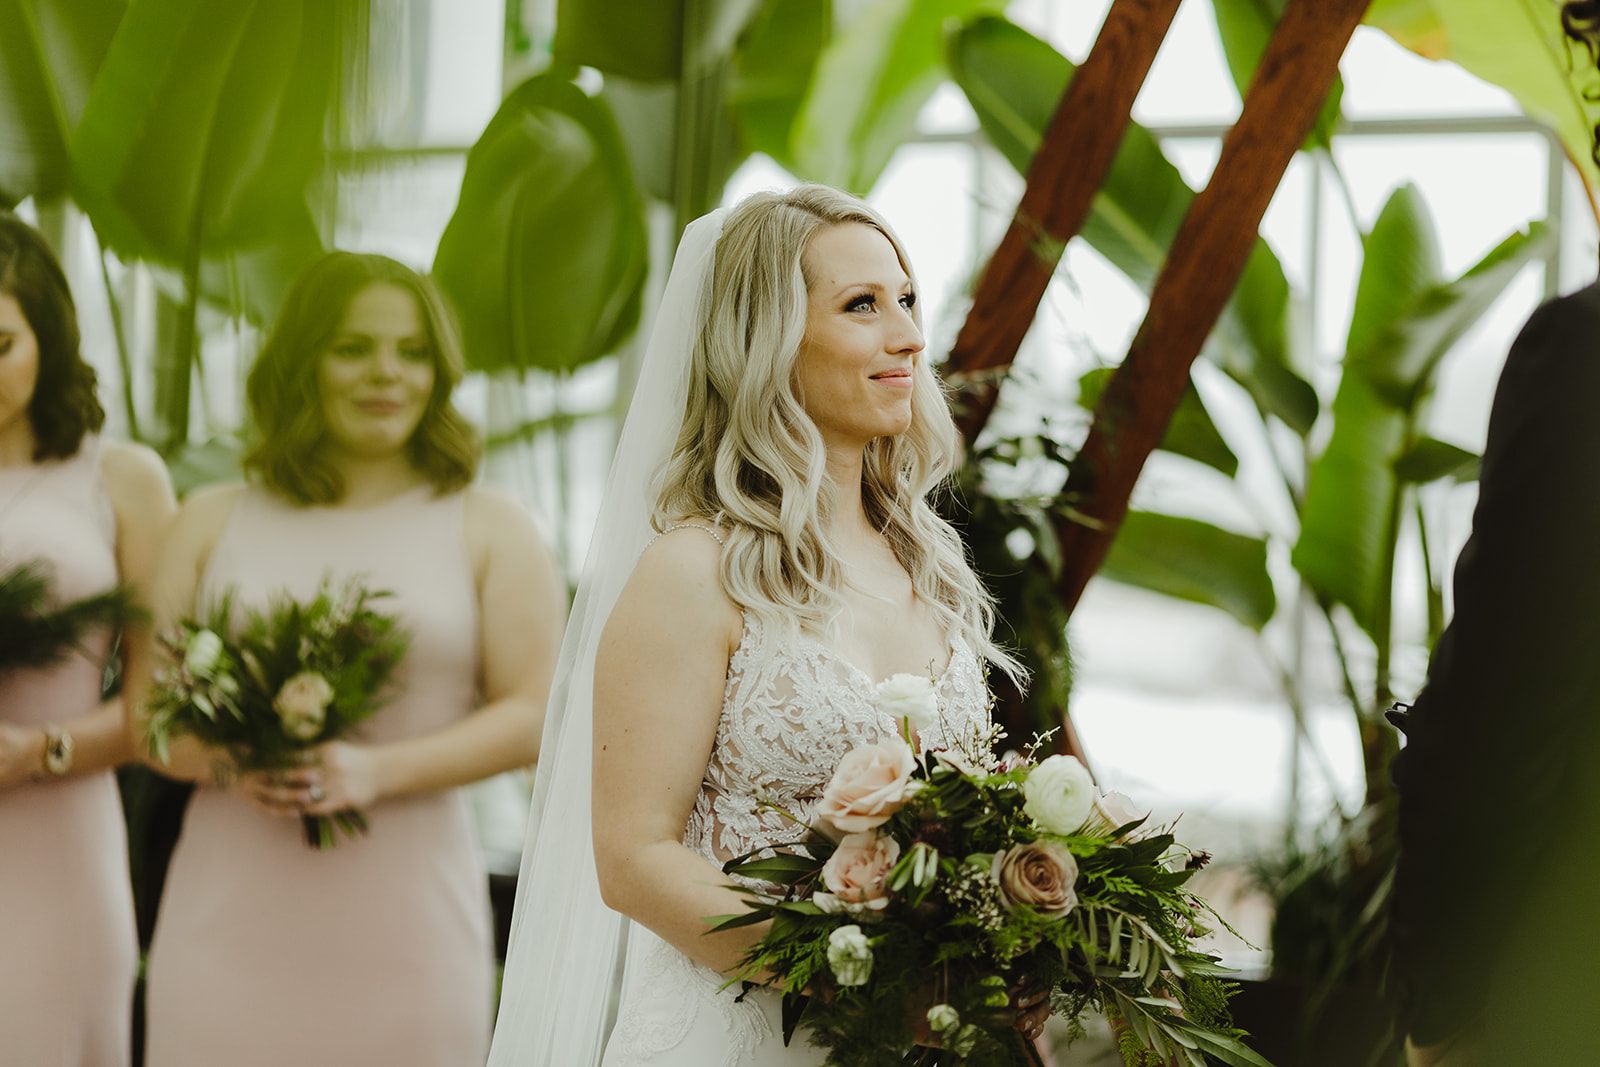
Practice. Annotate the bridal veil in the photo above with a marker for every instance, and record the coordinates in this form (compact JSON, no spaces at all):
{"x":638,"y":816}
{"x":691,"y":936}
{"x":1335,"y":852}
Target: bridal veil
{"x":557,"y":1001}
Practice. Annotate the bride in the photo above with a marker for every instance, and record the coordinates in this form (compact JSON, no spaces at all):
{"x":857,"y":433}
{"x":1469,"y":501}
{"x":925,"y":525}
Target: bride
{"x":769,"y":499}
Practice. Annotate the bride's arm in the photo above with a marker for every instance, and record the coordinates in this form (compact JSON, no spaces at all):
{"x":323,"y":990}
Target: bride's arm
{"x":659,"y":676}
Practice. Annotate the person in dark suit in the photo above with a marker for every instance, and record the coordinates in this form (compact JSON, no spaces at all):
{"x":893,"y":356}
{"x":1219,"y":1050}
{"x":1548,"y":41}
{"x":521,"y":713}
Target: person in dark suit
{"x":1496,"y":920}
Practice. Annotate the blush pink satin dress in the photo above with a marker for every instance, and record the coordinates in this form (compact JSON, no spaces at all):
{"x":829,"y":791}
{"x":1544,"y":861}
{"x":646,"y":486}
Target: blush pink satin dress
{"x":68,"y":951}
{"x":379,"y":951}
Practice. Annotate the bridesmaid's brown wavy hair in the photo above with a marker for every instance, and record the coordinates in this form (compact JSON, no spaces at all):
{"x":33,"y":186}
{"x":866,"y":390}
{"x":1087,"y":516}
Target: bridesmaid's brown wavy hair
{"x":286,"y":405}
{"x":63,"y":407}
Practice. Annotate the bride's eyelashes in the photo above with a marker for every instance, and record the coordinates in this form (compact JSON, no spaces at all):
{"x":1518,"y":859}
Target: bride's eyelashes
{"x":869,"y":302}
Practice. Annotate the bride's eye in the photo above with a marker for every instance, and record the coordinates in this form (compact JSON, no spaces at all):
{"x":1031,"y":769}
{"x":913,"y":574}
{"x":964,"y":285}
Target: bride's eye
{"x":908,"y":301}
{"x":865,"y":302}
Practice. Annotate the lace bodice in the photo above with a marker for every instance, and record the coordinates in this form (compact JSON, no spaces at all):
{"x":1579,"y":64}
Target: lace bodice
{"x":791,"y":710}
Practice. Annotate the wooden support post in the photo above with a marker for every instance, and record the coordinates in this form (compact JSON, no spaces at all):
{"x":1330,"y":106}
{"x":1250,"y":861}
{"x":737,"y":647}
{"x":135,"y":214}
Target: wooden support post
{"x":1208,"y":256}
{"x":1066,"y":173}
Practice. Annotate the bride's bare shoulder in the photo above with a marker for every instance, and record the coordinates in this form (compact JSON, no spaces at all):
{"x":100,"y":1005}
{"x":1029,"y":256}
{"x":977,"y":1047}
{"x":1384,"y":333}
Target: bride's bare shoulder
{"x":679,"y":578}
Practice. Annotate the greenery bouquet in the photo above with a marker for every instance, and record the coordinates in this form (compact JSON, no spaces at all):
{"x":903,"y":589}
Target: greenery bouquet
{"x":959,"y":877}
{"x":286,"y":680}
{"x":35,"y":632}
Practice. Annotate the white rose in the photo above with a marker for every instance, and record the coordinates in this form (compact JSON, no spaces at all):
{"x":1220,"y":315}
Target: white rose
{"x":202,"y":653}
{"x":1116,"y":810}
{"x":908,"y":696}
{"x":942,"y":1018}
{"x":302,"y":704}
{"x":1059,"y":794}
{"x":850,"y":956}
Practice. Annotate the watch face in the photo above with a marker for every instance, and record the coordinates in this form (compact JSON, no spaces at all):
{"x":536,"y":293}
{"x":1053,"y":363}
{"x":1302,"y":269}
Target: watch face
{"x":57,"y":753}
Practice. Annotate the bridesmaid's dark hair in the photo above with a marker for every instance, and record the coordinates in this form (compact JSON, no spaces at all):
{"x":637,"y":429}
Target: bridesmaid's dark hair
{"x":1580,"y":19}
{"x":285,"y":404}
{"x":64,"y":406}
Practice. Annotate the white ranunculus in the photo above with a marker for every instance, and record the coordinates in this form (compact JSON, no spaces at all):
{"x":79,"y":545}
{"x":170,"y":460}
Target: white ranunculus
{"x":202,"y":653}
{"x":850,"y":956}
{"x":1059,"y":794}
{"x":942,"y":1018}
{"x":908,"y":696}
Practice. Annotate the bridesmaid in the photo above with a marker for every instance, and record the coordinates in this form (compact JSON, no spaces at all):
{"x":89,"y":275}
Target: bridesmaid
{"x":267,"y":952}
{"x":93,"y":511}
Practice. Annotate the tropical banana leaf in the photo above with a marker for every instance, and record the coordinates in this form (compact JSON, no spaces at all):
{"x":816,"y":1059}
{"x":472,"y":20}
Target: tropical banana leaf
{"x":1194,"y":560}
{"x":646,"y":39}
{"x":1014,"y":81}
{"x":1405,"y":321}
{"x":50,"y":51}
{"x":546,"y":254}
{"x":1245,"y":27}
{"x":1430,"y":459}
{"x":205,"y":124}
{"x":871,"y":81}
{"x":773,"y":68}
{"x":1515,"y":44}
{"x":1191,"y":433}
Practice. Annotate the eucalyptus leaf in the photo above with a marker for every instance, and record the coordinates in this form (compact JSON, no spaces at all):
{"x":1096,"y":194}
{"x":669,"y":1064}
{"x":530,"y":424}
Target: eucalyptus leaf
{"x":1191,"y":433}
{"x":871,"y":81}
{"x":1194,"y":560}
{"x":50,"y":51}
{"x":546,"y":254}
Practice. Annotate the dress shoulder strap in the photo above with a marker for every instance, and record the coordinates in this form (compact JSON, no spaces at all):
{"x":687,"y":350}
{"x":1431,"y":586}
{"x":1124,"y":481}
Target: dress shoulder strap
{"x":690,"y":526}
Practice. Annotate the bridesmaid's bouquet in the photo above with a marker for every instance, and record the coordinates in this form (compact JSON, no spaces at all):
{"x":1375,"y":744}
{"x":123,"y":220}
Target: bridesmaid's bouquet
{"x":960,"y":877}
{"x":285,"y":681}
{"x":34,"y":633}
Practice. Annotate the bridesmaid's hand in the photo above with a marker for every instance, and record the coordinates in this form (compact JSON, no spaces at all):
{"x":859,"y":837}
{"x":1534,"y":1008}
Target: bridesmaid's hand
{"x":21,"y":754}
{"x":1031,"y":1002}
{"x":341,"y":776}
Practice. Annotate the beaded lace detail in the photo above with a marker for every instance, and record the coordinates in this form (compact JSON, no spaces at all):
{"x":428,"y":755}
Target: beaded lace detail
{"x":790,"y":713}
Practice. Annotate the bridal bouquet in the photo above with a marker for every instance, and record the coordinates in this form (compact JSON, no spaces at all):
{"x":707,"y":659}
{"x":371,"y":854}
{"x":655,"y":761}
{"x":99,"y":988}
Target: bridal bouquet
{"x":960,"y":877}
{"x":284,"y":682}
{"x":33,"y":633}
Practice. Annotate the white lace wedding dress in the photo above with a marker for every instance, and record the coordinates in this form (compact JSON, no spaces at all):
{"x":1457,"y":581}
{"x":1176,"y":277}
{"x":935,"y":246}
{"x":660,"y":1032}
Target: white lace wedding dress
{"x":790,"y":713}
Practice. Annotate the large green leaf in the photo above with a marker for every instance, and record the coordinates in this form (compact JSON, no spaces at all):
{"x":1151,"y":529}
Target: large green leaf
{"x":872,"y":79}
{"x":1194,"y":560}
{"x":1403,"y":328}
{"x":545,"y":256}
{"x":1014,"y":82}
{"x":772,"y":71}
{"x":1191,"y":432}
{"x":1515,"y":44}
{"x":1400,"y":359}
{"x":50,"y":51}
{"x":1346,"y":534}
{"x":645,"y":39}
{"x":206,"y":123}
{"x":1431,"y":459}
{"x":1245,"y":27}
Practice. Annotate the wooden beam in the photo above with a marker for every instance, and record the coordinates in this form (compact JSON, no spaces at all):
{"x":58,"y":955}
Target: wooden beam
{"x":1206,"y":260}
{"x":1066,"y":172}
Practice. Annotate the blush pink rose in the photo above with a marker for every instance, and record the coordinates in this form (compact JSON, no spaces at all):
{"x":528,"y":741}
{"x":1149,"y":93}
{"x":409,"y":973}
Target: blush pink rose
{"x":871,"y":784}
{"x":856,"y":871}
{"x":1038,"y":875}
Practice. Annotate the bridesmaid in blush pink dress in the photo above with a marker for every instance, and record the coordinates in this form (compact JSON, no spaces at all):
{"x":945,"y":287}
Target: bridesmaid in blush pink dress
{"x":267,"y":952}
{"x":91,"y":513}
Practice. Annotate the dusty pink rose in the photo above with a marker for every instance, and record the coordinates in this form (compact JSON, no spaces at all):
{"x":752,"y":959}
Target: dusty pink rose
{"x":856,"y":871}
{"x":870,"y":784}
{"x":302,"y":704}
{"x":1038,"y":875}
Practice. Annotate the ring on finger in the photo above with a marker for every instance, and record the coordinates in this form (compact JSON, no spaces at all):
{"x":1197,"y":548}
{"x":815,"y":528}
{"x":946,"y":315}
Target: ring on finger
{"x":317,"y":794}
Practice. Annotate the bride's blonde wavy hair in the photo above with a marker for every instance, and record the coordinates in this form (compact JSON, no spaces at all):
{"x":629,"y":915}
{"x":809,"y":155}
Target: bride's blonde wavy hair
{"x":750,"y":458}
